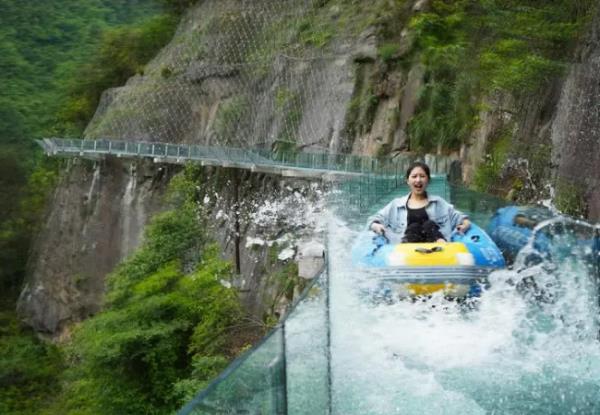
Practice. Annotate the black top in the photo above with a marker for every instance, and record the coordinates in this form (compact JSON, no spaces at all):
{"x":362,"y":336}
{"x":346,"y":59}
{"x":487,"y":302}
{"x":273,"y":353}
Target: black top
{"x":417,"y":215}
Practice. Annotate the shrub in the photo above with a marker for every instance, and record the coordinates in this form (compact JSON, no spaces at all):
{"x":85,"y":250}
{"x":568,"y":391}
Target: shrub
{"x":123,"y":52}
{"x":164,"y":331}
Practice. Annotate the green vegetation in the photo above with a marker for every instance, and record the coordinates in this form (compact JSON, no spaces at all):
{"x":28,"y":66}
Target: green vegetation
{"x":284,"y":278}
{"x":122,"y":53}
{"x":570,"y":198}
{"x":314,"y":35}
{"x":57,"y":58}
{"x":29,"y":369}
{"x":173,"y":329}
{"x":229,"y":117}
{"x":470,"y":49}
{"x":288,"y":106}
{"x":22,"y":206}
{"x":487,"y":177}
{"x":170,"y":324}
{"x":363,"y":105}
{"x":388,"y":51}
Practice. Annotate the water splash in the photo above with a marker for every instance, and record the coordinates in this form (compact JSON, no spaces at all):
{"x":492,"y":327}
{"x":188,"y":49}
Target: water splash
{"x":529,"y":346}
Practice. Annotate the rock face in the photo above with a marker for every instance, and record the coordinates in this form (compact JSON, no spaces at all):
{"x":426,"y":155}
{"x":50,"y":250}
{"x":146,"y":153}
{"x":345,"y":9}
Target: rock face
{"x":97,"y":217}
{"x":311,"y":259}
{"x":576,"y":128}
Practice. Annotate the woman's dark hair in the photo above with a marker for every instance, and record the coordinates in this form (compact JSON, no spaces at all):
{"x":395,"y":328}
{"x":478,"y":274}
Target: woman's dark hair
{"x":420,"y":164}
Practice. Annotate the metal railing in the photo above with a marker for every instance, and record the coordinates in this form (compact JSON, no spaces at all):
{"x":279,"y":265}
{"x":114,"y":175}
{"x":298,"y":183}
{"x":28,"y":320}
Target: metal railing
{"x":237,"y":157}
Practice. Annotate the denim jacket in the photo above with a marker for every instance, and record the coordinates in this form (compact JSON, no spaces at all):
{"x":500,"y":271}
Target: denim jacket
{"x":394,"y":216}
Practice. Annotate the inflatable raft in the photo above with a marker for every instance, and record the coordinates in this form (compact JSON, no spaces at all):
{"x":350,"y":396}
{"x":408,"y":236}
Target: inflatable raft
{"x":548,"y":234}
{"x":457,"y":269}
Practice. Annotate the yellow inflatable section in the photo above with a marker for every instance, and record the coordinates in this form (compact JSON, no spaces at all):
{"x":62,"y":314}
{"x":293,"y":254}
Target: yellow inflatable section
{"x":430,"y":254}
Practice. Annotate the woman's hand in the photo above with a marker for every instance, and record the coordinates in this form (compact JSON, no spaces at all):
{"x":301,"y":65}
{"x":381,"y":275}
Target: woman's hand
{"x":464,"y":226}
{"x":378,"y":228}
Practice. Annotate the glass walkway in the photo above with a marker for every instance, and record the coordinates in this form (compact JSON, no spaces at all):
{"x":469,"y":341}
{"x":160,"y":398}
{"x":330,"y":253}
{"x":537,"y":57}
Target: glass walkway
{"x":256,"y":159}
{"x":359,"y":182}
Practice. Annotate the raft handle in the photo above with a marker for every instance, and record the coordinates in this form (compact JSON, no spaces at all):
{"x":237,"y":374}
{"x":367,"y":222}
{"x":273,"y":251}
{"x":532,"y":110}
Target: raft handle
{"x":429,"y":251}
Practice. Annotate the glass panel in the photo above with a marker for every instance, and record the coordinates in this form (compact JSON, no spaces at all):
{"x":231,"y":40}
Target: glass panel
{"x":288,"y":372}
{"x":253,"y":384}
{"x":146,"y":148}
{"x":479,"y":206}
{"x":74,"y":145}
{"x":356,"y":199}
{"x":195,"y":152}
{"x":159,"y":149}
{"x":102,"y":145}
{"x":184,"y":151}
{"x":307,"y":353}
{"x":172,"y":150}
{"x":130,"y":147}
{"x":118,"y":146}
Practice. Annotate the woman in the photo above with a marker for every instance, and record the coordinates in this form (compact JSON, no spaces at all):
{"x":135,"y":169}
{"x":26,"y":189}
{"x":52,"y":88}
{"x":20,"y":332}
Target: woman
{"x":418,"y":217}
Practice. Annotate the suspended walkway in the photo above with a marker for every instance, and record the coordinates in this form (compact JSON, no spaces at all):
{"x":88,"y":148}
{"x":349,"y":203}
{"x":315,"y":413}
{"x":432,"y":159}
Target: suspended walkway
{"x":360,"y":182}
{"x":297,"y":164}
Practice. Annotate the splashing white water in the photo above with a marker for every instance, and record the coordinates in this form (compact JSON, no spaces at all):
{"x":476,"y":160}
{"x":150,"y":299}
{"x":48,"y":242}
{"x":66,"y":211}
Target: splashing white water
{"x":516,"y":352}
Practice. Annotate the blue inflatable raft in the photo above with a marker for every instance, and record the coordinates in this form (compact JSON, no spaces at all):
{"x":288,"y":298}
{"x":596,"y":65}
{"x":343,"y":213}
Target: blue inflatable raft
{"x":457,"y":269}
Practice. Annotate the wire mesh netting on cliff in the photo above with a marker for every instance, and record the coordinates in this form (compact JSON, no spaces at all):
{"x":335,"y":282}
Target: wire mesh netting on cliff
{"x":239,"y":74}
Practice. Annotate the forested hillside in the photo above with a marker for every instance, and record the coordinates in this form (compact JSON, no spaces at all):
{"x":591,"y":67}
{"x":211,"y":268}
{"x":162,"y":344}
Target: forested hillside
{"x":56,"y":58}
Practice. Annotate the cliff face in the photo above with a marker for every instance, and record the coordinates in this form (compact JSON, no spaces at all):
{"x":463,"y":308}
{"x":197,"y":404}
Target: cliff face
{"x":258,"y":73}
{"x":576,"y":129}
{"x":97,"y":217}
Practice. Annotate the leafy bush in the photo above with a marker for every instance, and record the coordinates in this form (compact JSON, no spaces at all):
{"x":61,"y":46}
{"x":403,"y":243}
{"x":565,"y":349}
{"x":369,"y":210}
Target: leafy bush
{"x":487,"y":175}
{"x":130,"y":356}
{"x":164,"y":331}
{"x":468,"y":49}
{"x":123,"y":53}
{"x":387,"y":51}
{"x":29,"y":369}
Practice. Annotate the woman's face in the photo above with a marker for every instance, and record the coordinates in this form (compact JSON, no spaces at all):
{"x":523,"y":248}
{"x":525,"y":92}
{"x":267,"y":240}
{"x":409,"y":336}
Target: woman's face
{"x":418,"y":181}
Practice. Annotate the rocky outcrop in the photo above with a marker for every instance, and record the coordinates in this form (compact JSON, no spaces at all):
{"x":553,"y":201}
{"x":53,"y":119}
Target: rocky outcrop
{"x":575,"y":130}
{"x":96,"y":219}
